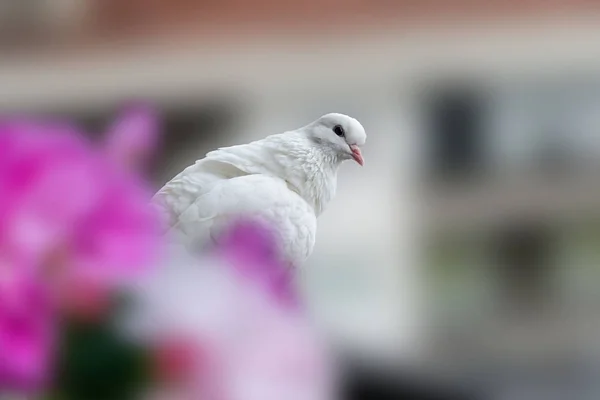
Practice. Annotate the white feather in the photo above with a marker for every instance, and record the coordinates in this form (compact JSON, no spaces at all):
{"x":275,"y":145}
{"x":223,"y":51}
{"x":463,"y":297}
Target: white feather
{"x":288,"y":179}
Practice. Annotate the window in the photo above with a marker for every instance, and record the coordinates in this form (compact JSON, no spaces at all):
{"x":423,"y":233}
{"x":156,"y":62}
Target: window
{"x":454,"y":118}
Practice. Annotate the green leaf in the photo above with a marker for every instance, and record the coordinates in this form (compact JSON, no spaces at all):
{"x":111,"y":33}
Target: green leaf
{"x":98,"y":364}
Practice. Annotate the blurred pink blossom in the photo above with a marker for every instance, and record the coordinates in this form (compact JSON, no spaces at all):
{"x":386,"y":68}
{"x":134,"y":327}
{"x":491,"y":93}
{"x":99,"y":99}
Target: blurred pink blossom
{"x":133,"y":136}
{"x":27,"y":332}
{"x":240,"y":307}
{"x":58,"y":192}
{"x":252,"y":250}
{"x":68,"y":214}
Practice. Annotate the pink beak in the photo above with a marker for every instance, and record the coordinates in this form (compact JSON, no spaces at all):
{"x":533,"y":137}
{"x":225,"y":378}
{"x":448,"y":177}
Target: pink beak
{"x":357,"y":155}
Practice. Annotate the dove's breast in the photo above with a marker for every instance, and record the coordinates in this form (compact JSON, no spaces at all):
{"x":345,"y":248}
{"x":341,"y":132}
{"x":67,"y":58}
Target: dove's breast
{"x":257,"y":195}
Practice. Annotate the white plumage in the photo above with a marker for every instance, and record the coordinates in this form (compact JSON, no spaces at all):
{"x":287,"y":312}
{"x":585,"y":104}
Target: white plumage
{"x":287,"y":179}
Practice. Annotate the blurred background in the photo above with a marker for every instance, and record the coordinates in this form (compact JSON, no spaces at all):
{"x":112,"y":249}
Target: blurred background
{"x":464,"y":258}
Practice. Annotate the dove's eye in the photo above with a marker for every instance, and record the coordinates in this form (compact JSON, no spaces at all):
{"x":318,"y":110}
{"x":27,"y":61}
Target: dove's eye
{"x":339,"y":130}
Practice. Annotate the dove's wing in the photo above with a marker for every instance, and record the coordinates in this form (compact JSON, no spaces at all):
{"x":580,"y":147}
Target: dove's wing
{"x":198,"y":179}
{"x":257,"y":195}
{"x":195,"y":181}
{"x":206,"y":195}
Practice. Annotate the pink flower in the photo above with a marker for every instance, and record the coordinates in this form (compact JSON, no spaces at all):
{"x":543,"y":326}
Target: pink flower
{"x":26,"y":333}
{"x":58,"y":192}
{"x":69,"y":213}
{"x":252,"y":250}
{"x":132,"y":138}
{"x":236,"y":307}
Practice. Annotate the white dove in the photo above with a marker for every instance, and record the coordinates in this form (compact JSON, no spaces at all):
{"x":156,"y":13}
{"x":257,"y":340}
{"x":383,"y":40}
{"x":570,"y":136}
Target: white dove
{"x":286,"y":179}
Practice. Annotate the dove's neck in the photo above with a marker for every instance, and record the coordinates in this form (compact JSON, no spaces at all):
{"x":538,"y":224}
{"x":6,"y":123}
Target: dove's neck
{"x":308,"y":169}
{"x":314,"y":176}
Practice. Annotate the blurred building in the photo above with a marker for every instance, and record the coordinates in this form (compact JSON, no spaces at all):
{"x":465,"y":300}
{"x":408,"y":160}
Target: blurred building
{"x":469,"y":243}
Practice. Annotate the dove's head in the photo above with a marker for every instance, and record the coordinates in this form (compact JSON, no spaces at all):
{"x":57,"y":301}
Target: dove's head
{"x":341,"y":134}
